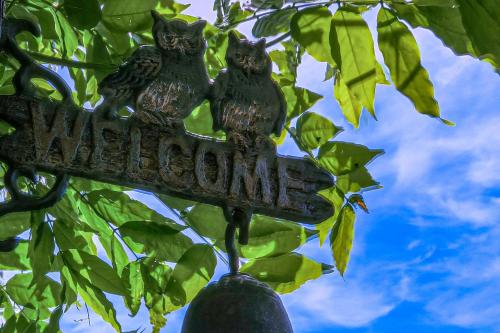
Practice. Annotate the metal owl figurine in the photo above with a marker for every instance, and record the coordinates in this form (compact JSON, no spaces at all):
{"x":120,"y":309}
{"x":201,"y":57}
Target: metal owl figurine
{"x":245,"y":102}
{"x":162,"y":83}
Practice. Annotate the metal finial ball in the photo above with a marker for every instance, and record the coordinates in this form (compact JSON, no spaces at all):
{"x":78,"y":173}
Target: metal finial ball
{"x":237,"y":304}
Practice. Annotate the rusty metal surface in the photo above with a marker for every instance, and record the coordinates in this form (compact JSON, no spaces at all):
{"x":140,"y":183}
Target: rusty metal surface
{"x":57,"y":137}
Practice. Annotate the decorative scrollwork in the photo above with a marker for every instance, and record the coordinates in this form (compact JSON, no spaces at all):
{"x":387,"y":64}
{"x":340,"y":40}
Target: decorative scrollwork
{"x":29,"y":69}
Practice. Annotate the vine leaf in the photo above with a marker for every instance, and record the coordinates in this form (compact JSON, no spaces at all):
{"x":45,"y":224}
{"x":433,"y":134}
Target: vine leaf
{"x":55,"y":316}
{"x":41,"y":249}
{"x":401,"y":55}
{"x":481,"y":21}
{"x":314,"y":130}
{"x":163,"y":241}
{"x":191,"y":273}
{"x":336,"y":197}
{"x":299,"y":100}
{"x":97,"y":301}
{"x":94,"y":270}
{"x":118,"y":208}
{"x":311,"y":28}
{"x":353,"y":51}
{"x":273,"y":24}
{"x":132,"y":280}
{"x":16,"y":260}
{"x":14,"y":224}
{"x":135,"y":16}
{"x":341,"y":158}
{"x":342,"y":237}
{"x":36,"y":299}
{"x":82,"y":14}
{"x":349,"y":104}
{"x":271,"y":237}
{"x":359,"y":179}
{"x":200,"y":214}
{"x":287,"y":272}
{"x":461,"y":27}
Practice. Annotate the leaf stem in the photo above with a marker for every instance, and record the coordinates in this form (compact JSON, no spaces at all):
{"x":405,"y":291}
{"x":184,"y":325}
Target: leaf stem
{"x":278,"y":39}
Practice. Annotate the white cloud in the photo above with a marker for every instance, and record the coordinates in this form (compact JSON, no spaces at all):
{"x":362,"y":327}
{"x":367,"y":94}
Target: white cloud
{"x":332,"y":302}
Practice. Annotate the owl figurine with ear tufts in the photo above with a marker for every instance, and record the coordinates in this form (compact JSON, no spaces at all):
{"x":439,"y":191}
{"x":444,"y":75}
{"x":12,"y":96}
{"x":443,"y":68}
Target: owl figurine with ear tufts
{"x":162,"y":83}
{"x":245,"y":102}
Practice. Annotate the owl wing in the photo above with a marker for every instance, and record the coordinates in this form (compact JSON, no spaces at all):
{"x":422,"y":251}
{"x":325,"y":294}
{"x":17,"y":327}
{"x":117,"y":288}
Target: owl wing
{"x":217,"y":97}
{"x":141,"y":68}
{"x":282,"y":112}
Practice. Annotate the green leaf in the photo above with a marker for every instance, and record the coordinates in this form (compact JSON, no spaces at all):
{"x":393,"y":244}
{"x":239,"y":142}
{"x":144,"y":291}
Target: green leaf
{"x":207,"y":220}
{"x":193,"y":271}
{"x":273,"y":24}
{"x":40,"y":297}
{"x":41,"y":248}
{"x":132,"y":279}
{"x":359,"y":179}
{"x":342,"y":237}
{"x":349,"y":104}
{"x":82,"y":14}
{"x":336,"y":197}
{"x":341,"y":158}
{"x":67,"y":35}
{"x":272,"y":237}
{"x":133,"y":17}
{"x":311,"y":28}
{"x":236,"y":14}
{"x":48,"y":23}
{"x":6,"y":305}
{"x":14,"y":224}
{"x":98,"y":53}
{"x":67,"y":237}
{"x":267,"y":4}
{"x":94,"y":270}
{"x":118,"y":42}
{"x":460,"y":27}
{"x":163,"y":241}
{"x":156,"y":277}
{"x":285,"y":273}
{"x":200,"y":122}
{"x":436,"y":3}
{"x":175,"y":203}
{"x":16,"y":260}
{"x":98,"y":302}
{"x":287,"y":62}
{"x":299,"y":100}
{"x":402,"y":56}
{"x":115,"y":252}
{"x":481,"y":20}
{"x":118,"y":208}
{"x":55,"y":317}
{"x":352,"y":49}
{"x":314,"y":130}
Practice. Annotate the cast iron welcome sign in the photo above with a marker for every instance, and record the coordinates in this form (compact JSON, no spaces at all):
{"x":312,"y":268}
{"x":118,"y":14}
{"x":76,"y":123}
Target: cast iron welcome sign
{"x":151,"y":150}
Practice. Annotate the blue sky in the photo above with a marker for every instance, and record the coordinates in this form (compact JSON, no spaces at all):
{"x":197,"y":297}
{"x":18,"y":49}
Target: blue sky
{"x":427,"y":257}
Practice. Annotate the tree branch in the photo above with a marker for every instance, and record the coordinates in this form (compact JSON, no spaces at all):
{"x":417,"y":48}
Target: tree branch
{"x":68,"y":62}
{"x":278,"y":39}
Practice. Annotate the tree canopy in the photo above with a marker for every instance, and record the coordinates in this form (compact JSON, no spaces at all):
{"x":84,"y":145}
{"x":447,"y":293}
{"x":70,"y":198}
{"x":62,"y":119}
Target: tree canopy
{"x":160,"y":263}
